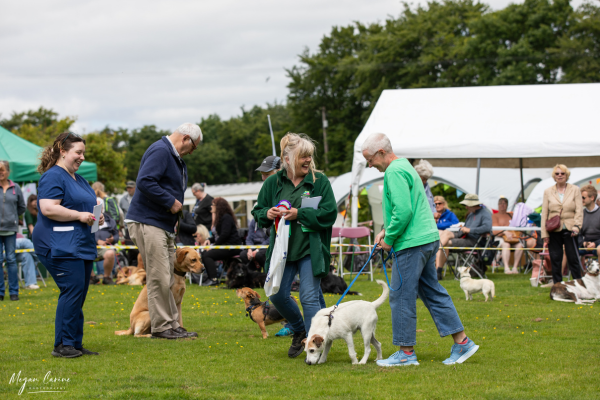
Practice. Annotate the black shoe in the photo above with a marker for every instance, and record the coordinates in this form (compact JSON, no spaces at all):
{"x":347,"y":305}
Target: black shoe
{"x":94,"y":280}
{"x":168,"y":334}
{"x":297,"y":347}
{"x":439,"y":274}
{"x":14,"y":297}
{"x":107,"y":281}
{"x":86,"y":352}
{"x":182,"y":330}
{"x":66,"y":351}
{"x":209,"y":282}
{"x":1,"y":298}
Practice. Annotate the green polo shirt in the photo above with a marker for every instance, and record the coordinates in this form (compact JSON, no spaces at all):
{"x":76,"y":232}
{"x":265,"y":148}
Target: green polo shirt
{"x":298,"y":245}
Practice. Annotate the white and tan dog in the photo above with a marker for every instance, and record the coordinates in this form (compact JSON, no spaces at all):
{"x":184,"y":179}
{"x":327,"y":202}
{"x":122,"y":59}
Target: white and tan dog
{"x":579,"y":291}
{"x":347,"y":319}
{"x":470,"y":285}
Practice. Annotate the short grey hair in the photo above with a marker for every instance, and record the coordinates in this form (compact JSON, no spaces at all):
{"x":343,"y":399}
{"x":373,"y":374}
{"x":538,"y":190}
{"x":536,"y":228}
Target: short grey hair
{"x":376,"y":142}
{"x":197,"y":186}
{"x":192,"y":130}
{"x":424,"y":169}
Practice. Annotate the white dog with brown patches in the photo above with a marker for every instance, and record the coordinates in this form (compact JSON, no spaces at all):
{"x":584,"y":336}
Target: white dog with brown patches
{"x":470,"y":285}
{"x":579,"y":291}
{"x":347,"y":319}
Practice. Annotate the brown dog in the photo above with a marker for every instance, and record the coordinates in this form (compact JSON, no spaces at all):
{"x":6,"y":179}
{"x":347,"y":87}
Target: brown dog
{"x":186,"y":260}
{"x":260,"y":312}
{"x":132,"y":275}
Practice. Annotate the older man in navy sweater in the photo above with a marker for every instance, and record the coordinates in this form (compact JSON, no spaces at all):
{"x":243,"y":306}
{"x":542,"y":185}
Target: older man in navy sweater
{"x":151,"y":220}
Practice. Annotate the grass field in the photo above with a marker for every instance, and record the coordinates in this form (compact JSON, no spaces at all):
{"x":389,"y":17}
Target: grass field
{"x":519,"y":358}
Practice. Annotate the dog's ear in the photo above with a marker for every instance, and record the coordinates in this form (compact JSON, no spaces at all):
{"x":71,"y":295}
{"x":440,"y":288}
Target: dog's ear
{"x":303,"y":342}
{"x":181,"y":253}
{"x":318,"y":340}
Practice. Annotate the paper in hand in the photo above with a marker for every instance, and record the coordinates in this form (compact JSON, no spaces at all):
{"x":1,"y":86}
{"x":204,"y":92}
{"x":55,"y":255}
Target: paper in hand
{"x":97,"y":212}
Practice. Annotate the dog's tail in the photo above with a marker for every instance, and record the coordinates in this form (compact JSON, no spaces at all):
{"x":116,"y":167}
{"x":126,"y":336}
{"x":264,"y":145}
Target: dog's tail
{"x":124,"y":333}
{"x":383,"y":296}
{"x":493,"y":290}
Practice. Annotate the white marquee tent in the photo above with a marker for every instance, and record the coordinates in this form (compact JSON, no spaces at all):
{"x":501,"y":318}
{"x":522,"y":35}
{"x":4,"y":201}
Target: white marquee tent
{"x":529,"y":126}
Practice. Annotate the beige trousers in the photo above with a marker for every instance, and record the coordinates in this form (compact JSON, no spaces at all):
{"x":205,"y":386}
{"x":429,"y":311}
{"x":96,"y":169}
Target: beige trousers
{"x":158,"y":254}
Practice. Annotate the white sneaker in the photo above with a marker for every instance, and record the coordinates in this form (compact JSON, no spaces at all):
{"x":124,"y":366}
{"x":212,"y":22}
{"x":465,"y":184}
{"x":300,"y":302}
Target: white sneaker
{"x":32,"y":287}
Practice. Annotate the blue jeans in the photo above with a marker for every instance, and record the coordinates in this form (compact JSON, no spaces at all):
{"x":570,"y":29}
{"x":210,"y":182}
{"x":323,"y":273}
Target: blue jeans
{"x":8,"y":243}
{"x":27,"y":261}
{"x":419,"y":276}
{"x":72,"y":276}
{"x":311,"y":296}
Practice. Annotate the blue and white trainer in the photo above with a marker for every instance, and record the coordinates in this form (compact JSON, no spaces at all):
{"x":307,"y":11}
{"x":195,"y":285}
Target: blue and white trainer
{"x":398,"y":359}
{"x":461,"y":352}
{"x":285,"y":331}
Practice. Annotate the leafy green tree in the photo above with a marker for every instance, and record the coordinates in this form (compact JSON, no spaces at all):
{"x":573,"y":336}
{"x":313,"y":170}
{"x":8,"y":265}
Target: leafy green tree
{"x":39,"y":126}
{"x":134,"y":145}
{"x":111,"y":172}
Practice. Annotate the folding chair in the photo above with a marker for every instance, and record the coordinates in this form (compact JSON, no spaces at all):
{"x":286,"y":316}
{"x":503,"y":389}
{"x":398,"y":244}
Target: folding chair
{"x":353,"y":233}
{"x":38,"y":275}
{"x":469,"y":258}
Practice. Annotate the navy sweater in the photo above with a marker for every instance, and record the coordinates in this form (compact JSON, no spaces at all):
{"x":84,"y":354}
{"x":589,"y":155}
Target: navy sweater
{"x":162,"y":178}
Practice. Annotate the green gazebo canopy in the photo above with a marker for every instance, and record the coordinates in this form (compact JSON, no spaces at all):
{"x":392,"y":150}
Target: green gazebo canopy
{"x":23,"y":158}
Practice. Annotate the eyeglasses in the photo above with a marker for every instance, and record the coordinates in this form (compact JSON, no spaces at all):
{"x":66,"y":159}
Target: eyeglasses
{"x":194,"y":146}
{"x":372,"y":157}
{"x":69,"y":134}
{"x":439,"y":204}
{"x":559,"y":173}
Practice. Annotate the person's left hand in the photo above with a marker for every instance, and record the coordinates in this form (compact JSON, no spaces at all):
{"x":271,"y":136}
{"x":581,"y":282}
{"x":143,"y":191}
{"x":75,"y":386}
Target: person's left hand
{"x":206,"y":243}
{"x":464,"y":229}
{"x":101,"y":221}
{"x":290,"y":214}
{"x":437,"y":215}
{"x":591,"y":245}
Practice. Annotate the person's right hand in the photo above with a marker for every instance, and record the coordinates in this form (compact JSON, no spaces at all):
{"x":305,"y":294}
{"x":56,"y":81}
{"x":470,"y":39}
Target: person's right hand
{"x":591,"y":245}
{"x":86,"y":218}
{"x":273,"y":213}
{"x":206,"y":243}
{"x":379,"y":237}
{"x":250,"y":254}
{"x":546,"y":241}
{"x":176,"y":207}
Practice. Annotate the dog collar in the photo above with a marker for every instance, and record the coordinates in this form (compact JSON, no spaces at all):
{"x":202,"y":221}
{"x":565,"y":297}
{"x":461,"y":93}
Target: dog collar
{"x":179,"y":273}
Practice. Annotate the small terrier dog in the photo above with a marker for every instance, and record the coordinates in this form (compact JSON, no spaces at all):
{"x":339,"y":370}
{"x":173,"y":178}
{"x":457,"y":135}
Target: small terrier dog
{"x":579,"y":291}
{"x":341,"y":323}
{"x":262,"y":313}
{"x":470,"y":285}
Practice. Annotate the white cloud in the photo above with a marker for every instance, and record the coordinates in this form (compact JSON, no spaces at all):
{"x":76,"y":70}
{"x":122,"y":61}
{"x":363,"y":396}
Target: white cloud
{"x":130,"y":63}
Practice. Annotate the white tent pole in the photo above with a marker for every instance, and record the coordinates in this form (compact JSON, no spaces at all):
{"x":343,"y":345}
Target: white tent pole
{"x":522,"y":186}
{"x":272,"y":136}
{"x":478,"y":172}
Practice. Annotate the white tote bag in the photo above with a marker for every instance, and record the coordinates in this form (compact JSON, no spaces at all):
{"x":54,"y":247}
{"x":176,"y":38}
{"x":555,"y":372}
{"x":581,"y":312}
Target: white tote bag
{"x":278,"y":258}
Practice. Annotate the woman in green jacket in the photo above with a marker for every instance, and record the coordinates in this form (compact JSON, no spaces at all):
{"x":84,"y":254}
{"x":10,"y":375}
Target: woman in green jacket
{"x":310,"y":231}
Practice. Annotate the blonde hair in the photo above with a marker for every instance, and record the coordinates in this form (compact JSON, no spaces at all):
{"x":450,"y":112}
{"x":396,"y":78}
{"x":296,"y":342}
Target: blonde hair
{"x":442,"y":199}
{"x":99,"y":189}
{"x":564,"y":168}
{"x":294,"y":146}
{"x":203,"y":232}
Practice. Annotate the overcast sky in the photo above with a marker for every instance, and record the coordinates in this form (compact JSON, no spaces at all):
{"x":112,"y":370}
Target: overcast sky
{"x":132,"y":63}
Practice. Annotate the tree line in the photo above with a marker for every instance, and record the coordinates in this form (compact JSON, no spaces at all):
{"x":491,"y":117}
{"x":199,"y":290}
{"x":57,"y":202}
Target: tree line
{"x":454,"y":43}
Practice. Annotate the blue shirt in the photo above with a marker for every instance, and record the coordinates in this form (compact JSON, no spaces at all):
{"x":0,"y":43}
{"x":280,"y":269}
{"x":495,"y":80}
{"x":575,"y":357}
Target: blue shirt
{"x":69,"y":239}
{"x":162,"y":179}
{"x":446,"y":220}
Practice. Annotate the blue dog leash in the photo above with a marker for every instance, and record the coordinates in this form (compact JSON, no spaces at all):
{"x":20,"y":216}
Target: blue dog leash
{"x":385,"y":260}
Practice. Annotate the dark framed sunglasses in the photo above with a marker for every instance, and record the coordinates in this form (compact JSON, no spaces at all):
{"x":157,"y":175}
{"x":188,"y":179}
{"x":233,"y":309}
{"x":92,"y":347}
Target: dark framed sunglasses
{"x":439,"y":204}
{"x":559,"y":173}
{"x":69,"y":134}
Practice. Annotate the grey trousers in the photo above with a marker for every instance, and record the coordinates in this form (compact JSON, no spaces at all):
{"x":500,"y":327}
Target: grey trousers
{"x":158,"y":254}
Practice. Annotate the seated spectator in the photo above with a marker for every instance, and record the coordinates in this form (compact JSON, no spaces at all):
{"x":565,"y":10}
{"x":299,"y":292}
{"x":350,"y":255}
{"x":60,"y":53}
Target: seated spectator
{"x":107,"y":235}
{"x":31,"y":213}
{"x":187,"y":228}
{"x":590,"y":231}
{"x":28,"y":261}
{"x":447,"y":218}
{"x":478,"y":222}
{"x":201,"y":235}
{"x":256,"y":236}
{"x":226,"y":229}
{"x":425,"y":171}
{"x":514,"y":239}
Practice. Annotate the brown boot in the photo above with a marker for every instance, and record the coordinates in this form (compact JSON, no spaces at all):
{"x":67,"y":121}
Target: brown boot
{"x":107,"y":280}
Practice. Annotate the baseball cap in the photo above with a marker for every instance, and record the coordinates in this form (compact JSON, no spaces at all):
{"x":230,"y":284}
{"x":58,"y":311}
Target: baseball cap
{"x":130,"y":184}
{"x":269,"y":164}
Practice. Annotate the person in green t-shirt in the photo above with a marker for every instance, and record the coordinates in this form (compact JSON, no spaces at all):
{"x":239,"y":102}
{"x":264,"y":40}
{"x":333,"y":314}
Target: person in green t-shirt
{"x":31,"y":214}
{"x":310,"y":231}
{"x":410,"y":231}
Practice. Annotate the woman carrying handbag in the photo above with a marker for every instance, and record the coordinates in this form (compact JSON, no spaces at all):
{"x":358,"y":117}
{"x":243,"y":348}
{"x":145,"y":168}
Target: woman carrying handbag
{"x":562,"y":217}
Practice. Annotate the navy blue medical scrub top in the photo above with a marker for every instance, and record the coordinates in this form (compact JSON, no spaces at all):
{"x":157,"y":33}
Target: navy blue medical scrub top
{"x":70,"y":239}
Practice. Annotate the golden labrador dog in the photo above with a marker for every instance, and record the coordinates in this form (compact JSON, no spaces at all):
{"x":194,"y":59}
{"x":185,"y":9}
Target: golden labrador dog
{"x":186,"y":260}
{"x":132,"y":275}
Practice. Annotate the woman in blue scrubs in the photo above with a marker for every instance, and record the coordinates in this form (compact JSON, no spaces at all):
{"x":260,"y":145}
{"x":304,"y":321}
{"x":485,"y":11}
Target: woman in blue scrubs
{"x":62,"y":237}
